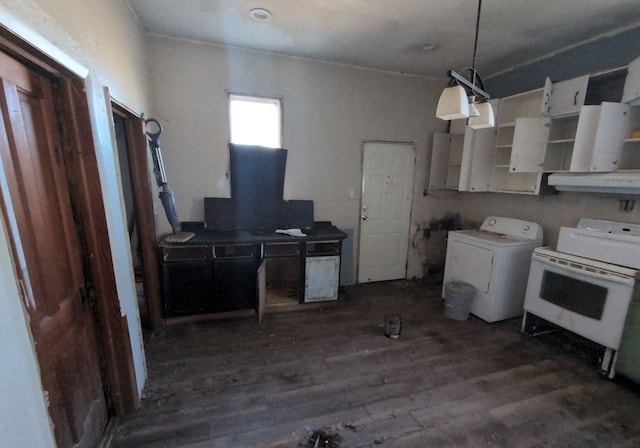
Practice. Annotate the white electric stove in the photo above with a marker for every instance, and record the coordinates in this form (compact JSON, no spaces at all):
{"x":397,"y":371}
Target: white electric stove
{"x":586,"y":284}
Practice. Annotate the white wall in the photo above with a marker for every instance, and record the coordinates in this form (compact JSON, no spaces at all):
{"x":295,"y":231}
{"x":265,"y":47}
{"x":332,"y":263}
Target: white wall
{"x":329,"y":110}
{"x":550,"y":211}
{"x":81,"y":35}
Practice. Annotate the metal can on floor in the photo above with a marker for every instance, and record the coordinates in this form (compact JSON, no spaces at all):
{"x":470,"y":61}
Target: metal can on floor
{"x":392,"y":326}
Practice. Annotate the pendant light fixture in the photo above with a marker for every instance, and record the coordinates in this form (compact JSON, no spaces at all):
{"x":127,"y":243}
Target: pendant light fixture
{"x":466,"y":98}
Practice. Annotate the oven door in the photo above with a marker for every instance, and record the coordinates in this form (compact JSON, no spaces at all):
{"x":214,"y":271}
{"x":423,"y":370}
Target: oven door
{"x":575,"y":295}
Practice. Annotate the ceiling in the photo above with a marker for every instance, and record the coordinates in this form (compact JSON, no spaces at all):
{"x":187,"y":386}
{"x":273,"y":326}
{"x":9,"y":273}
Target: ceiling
{"x":390,"y":34}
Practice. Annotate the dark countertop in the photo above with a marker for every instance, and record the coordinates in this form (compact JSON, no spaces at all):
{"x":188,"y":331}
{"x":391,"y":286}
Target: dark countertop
{"x":205,"y":237}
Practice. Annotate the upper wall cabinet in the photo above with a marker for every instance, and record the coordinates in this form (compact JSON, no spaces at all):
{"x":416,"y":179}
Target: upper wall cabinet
{"x":446,"y":157}
{"x":520,"y":144}
{"x":462,"y":159}
{"x":589,"y":124}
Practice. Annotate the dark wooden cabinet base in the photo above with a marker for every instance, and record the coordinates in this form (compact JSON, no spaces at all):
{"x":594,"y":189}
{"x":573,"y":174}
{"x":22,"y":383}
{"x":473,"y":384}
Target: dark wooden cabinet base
{"x":217,"y":272}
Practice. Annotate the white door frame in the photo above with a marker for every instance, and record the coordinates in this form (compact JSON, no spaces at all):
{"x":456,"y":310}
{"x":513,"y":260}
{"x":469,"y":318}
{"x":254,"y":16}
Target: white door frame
{"x":357,"y":239}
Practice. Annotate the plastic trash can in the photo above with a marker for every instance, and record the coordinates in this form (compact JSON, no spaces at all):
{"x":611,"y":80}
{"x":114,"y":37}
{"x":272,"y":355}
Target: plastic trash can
{"x":457,"y":300}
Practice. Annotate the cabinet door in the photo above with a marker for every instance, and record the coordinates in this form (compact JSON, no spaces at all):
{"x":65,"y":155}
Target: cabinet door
{"x":466,"y":160}
{"x":607,"y":145}
{"x":322,"y":277}
{"x":483,"y":145}
{"x":439,"y":161}
{"x":564,"y":97}
{"x":585,"y":136}
{"x":234,"y":284}
{"x":631,"y":93}
{"x":187,"y":288}
{"x":599,"y":137}
{"x":454,"y":169}
{"x":529,"y":144}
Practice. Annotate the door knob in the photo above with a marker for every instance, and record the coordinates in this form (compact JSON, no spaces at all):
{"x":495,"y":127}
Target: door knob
{"x":365,"y":217}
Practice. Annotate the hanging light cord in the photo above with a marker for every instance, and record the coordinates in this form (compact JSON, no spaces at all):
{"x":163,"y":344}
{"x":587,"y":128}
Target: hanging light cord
{"x":475,"y":44}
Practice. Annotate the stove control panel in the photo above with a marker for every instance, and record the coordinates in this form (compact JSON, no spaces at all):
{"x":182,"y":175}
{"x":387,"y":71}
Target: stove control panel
{"x":613,"y":227}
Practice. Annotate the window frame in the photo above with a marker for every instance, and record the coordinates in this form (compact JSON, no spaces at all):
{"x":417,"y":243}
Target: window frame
{"x":258,"y":99}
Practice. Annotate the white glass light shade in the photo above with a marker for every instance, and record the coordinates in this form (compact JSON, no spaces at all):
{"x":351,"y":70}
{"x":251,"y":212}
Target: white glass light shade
{"x":453,"y":104}
{"x":486,"y":119}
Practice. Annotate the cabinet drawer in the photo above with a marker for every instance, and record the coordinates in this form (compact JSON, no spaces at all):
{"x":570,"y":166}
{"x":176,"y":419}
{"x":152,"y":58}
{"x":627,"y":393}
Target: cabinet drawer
{"x":184,"y":253}
{"x":281,"y":250}
{"x":234,"y":251}
{"x":319,"y":248}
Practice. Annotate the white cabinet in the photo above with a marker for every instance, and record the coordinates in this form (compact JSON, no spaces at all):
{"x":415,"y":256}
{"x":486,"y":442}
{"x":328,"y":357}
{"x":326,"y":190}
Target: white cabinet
{"x":630,"y":154}
{"x":587,"y":122}
{"x":520,"y":127}
{"x":560,"y":143}
{"x":462,"y":159}
{"x":599,"y":137}
{"x":564,"y":97}
{"x":580,"y":125}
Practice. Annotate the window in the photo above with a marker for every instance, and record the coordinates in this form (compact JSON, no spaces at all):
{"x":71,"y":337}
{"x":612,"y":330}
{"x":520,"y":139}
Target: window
{"x":255,"y":120}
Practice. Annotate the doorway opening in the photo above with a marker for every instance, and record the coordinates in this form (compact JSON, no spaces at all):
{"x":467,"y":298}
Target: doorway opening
{"x":136,"y":187}
{"x":130,"y":214}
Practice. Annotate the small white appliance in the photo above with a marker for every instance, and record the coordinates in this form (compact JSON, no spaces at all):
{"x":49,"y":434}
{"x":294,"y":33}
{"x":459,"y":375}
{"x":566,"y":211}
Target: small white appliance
{"x":586,"y":285}
{"x":495,"y":261}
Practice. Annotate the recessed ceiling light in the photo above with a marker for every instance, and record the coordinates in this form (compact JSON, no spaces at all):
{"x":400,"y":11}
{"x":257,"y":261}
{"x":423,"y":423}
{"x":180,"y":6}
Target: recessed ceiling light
{"x":260,"y":14}
{"x":429,"y":46}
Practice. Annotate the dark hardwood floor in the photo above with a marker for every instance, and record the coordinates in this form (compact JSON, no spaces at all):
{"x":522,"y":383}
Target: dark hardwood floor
{"x":329,"y":377}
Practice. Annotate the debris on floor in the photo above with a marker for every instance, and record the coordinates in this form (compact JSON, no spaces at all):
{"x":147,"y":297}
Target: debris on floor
{"x":321,"y":439}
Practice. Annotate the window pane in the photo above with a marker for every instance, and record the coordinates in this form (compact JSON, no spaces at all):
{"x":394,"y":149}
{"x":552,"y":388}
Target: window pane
{"x":255,"y":121}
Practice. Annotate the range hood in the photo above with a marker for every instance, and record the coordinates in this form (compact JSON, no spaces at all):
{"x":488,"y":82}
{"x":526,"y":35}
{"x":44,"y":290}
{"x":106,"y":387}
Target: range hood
{"x":617,"y":182}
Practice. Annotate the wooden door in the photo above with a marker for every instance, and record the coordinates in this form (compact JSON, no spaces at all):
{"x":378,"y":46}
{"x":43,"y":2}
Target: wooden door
{"x":386,"y":210}
{"x":56,"y":296}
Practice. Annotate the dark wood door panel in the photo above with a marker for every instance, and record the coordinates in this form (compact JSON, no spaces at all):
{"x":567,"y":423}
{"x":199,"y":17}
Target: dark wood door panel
{"x":61,"y":320}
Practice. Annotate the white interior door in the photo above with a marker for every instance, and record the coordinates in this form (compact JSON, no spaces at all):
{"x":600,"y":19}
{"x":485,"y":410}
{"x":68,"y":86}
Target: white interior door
{"x":387,"y":186}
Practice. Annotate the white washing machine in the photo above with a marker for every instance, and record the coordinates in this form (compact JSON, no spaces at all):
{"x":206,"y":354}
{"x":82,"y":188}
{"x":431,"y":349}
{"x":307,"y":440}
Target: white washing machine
{"x":495,"y":260}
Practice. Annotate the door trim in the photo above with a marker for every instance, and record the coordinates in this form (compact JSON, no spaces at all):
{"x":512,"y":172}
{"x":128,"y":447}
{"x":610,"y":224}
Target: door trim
{"x":86,"y":192}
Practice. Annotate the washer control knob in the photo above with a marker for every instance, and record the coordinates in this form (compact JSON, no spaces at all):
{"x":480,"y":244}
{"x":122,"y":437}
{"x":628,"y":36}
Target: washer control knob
{"x":492,"y":222}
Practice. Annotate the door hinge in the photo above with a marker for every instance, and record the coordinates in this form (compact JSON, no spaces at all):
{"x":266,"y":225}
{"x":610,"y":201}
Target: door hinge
{"x":24,"y":295}
{"x":87,"y":295}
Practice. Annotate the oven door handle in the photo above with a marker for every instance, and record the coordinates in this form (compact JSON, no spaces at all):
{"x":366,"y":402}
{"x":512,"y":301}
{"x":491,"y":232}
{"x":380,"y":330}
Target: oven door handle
{"x":609,"y":276}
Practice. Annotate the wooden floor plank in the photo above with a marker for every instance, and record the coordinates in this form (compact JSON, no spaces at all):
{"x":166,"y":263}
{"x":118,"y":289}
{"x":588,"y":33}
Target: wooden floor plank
{"x":234,"y":383}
